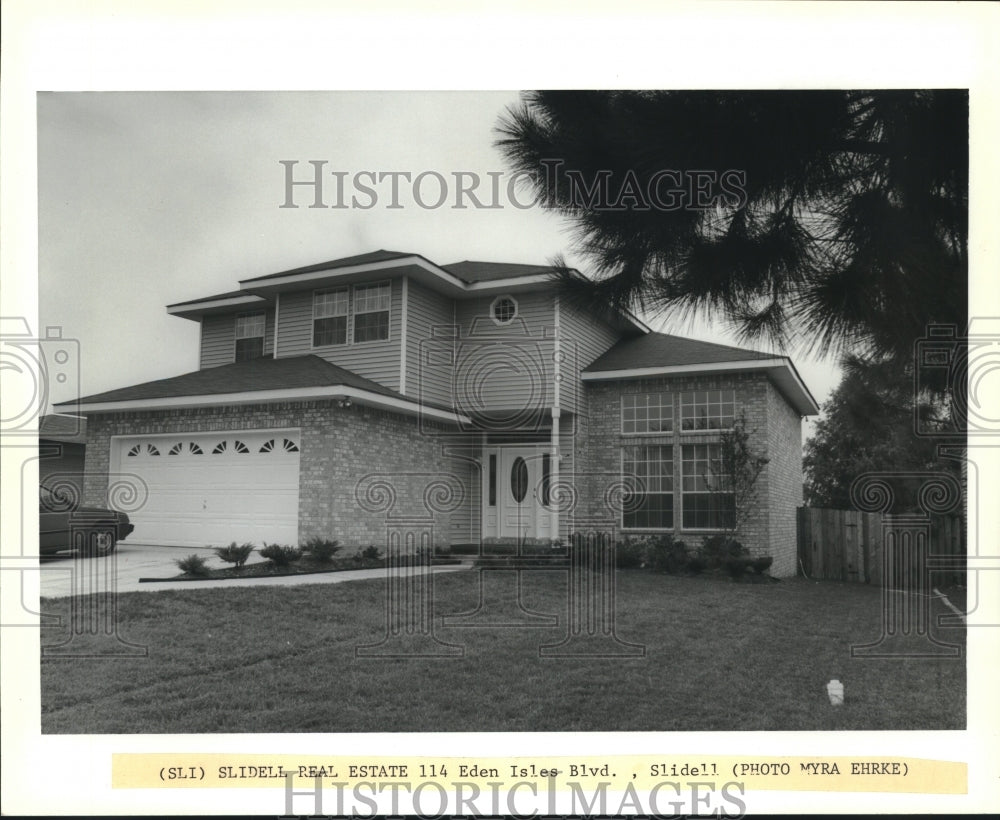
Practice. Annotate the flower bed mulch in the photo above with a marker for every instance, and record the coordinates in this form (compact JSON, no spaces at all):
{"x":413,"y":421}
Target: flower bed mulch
{"x":304,"y":566}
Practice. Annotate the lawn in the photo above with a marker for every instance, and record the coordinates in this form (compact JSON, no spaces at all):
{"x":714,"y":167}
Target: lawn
{"x":719,"y":656}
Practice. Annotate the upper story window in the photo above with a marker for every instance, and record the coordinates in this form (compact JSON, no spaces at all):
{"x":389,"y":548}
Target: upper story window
{"x":708,"y":410}
{"x":330,"y":317}
{"x":371,"y":312}
{"x":647,"y":413}
{"x":503,"y":310}
{"x":249,"y":336}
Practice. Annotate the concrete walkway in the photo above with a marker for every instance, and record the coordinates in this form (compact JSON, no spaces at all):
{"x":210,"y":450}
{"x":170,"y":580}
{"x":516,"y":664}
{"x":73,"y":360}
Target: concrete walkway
{"x":121,"y":571}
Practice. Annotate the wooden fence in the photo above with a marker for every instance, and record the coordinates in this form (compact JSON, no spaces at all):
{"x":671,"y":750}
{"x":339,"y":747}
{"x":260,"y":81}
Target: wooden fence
{"x":847,"y":545}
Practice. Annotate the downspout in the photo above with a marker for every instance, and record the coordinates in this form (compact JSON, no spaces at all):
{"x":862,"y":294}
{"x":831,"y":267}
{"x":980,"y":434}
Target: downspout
{"x":402,"y":332}
{"x":277,"y":316}
{"x":556,"y":411}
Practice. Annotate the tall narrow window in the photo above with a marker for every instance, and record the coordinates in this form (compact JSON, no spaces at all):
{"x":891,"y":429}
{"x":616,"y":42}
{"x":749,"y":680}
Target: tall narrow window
{"x":707,"y":500}
{"x":546,"y":479}
{"x":371,"y":312}
{"x":648,"y":475}
{"x":330,"y":317}
{"x":493,"y":480}
{"x":249,"y":336}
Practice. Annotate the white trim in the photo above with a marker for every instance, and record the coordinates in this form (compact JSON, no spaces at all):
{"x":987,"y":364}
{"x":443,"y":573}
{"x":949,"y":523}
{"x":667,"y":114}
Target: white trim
{"x":638,"y":372}
{"x":232,"y":301}
{"x":782,"y":365}
{"x":269,"y":396}
{"x":326,"y":273}
{"x":404,"y":310}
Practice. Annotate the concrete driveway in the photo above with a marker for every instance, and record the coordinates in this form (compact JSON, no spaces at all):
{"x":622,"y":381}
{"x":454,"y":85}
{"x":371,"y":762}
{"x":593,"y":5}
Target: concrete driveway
{"x":121,"y":571}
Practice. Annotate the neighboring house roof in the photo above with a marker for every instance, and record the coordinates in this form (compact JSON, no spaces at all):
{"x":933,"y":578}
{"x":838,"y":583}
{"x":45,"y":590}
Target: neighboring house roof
{"x":66,"y":429}
{"x":264,"y":379}
{"x":660,"y":354}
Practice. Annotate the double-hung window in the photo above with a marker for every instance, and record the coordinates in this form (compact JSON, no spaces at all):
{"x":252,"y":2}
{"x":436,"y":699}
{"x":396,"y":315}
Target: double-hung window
{"x":330,"y":317}
{"x":371,"y":312}
{"x":707,"y":499}
{"x":648,"y":473}
{"x":249,"y":336}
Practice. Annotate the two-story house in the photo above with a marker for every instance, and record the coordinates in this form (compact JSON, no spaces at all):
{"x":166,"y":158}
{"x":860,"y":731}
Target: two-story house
{"x":333,"y":398}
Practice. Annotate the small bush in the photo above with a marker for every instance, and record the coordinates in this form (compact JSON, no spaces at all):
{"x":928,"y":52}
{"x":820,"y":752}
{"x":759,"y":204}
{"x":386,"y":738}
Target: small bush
{"x":736,"y":566}
{"x":696,"y":564}
{"x":321,"y":549}
{"x":234,"y":554}
{"x":630,"y":554}
{"x":716,"y":549}
{"x":762,"y":564}
{"x":194,"y":564}
{"x":667,"y":555}
{"x":280,"y":556}
{"x":369,"y":553}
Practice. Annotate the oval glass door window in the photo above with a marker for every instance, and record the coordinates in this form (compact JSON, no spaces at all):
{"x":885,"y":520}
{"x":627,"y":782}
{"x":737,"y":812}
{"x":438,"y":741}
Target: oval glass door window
{"x":519,"y":479}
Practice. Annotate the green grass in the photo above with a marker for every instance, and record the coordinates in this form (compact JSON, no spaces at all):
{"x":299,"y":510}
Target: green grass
{"x":719,"y":656}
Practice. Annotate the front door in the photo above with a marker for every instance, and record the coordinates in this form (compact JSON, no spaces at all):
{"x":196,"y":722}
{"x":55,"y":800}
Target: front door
{"x":522,"y":513}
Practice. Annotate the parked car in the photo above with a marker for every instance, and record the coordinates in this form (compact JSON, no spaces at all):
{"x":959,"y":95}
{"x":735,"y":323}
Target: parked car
{"x":64,"y":525}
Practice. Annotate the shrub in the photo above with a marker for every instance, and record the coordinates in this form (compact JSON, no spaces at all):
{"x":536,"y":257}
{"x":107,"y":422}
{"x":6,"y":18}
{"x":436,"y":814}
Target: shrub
{"x":715,"y":549}
{"x":630,"y":554}
{"x":762,"y":564}
{"x":369,"y":553}
{"x":696,"y":564}
{"x":234,"y":554}
{"x":321,"y":549}
{"x":194,"y":564}
{"x":736,"y":565}
{"x":280,"y":556}
{"x":667,"y":555}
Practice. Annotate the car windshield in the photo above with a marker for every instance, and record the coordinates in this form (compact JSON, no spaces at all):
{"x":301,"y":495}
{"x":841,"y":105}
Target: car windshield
{"x":52,"y":499}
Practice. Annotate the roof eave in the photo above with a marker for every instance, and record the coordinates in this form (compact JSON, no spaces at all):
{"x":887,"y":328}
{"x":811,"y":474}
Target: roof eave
{"x":780,"y":369}
{"x":335,"y":392}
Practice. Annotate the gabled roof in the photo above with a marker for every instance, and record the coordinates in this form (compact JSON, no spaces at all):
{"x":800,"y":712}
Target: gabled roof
{"x":662,"y":350}
{"x":257,"y":380}
{"x":346,"y":262}
{"x":660,"y":354}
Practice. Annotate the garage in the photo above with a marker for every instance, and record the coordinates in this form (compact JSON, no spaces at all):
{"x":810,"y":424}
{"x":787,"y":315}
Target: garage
{"x":212,"y":488}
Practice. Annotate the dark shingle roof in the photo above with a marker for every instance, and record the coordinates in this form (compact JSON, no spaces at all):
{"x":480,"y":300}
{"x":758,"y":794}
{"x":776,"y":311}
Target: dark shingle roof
{"x":664,"y":350}
{"x":232,"y":294}
{"x":62,"y":428}
{"x":346,"y":262}
{"x":470,"y":271}
{"x":247,"y":377}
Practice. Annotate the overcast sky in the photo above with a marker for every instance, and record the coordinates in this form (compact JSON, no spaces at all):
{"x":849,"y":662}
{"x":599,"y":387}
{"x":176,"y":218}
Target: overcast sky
{"x":150,"y":198}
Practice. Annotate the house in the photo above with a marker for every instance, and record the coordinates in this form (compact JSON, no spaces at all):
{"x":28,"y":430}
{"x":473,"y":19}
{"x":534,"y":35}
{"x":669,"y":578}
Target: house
{"x":336,"y":398}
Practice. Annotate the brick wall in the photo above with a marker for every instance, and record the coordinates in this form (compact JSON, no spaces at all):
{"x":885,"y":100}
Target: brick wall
{"x":784,"y":447}
{"x":769,"y":527}
{"x":339,"y":448}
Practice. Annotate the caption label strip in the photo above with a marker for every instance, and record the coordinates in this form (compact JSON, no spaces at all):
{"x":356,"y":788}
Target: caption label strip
{"x":643,"y":772}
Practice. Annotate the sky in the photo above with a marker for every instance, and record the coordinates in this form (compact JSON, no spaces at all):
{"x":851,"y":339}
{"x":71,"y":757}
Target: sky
{"x":151,"y":198}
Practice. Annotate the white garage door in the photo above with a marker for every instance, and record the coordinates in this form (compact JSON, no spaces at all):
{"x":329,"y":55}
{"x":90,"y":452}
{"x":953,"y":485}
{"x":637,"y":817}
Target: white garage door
{"x":213,"y":488}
